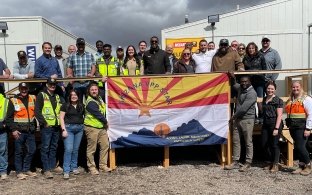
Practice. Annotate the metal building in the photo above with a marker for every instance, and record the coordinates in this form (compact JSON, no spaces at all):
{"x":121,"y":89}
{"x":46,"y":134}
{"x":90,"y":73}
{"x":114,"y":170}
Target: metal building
{"x":28,"y":34}
{"x":284,"y":21}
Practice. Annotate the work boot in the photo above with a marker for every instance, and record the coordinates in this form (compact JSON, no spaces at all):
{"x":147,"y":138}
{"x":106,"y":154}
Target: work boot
{"x":274,"y":168}
{"x":245,"y":167}
{"x":94,"y":171}
{"x":306,"y":171}
{"x":234,"y":165}
{"x":298,"y":170}
{"x":105,"y":169}
{"x":268,"y":167}
{"x":21,"y":176}
{"x":58,"y":170}
{"x":4,"y":176}
{"x":48,"y":175}
{"x":30,"y":174}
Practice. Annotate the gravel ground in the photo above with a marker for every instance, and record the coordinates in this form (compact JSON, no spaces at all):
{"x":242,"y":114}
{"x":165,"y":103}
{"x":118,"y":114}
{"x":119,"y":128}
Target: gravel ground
{"x":190,"y":177}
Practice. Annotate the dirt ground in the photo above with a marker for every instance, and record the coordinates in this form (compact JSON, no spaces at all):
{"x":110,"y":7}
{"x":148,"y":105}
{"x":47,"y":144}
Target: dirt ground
{"x":188,"y":177}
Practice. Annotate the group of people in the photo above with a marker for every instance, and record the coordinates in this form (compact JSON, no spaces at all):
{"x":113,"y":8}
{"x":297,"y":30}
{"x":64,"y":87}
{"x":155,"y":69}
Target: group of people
{"x":44,"y":104}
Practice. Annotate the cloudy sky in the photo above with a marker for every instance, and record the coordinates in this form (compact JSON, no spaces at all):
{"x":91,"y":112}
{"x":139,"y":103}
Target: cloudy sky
{"x":120,"y":22}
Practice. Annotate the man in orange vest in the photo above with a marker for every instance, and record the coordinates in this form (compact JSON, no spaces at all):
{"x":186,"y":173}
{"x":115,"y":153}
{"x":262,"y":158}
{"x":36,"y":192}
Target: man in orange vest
{"x":21,"y":120}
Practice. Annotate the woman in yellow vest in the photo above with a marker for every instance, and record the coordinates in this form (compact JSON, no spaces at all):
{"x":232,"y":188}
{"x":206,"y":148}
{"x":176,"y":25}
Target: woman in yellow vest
{"x":299,"y":121}
{"x":132,"y":64}
{"x":96,"y":130}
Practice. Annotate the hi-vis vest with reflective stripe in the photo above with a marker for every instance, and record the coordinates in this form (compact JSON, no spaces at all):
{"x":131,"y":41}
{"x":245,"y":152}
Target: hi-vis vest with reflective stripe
{"x":3,"y":107}
{"x":110,"y":69}
{"x":21,"y":114}
{"x":125,"y":70}
{"x":51,"y":116}
{"x":295,"y":109}
{"x":90,"y":120}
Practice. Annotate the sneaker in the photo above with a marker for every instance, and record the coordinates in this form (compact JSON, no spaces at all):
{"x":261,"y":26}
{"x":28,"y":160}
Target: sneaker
{"x":4,"y":176}
{"x":234,"y":165}
{"x":66,"y":176}
{"x":94,"y":171}
{"x":21,"y":176}
{"x":76,"y":172}
{"x":48,"y":175}
{"x":274,"y":168}
{"x":105,"y":169}
{"x":306,"y":171}
{"x":30,"y":174}
{"x":58,"y":170}
{"x":245,"y":167}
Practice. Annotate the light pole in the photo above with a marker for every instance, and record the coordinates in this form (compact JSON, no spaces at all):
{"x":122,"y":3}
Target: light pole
{"x":212,"y":19}
{"x":309,"y":57}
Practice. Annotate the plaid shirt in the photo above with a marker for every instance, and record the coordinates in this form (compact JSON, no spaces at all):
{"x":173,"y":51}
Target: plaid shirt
{"x":81,"y":64}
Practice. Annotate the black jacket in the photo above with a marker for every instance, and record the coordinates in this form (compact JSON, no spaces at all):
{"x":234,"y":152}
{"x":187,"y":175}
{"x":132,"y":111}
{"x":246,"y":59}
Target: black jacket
{"x":256,"y":62}
{"x":156,"y":61}
{"x":181,"y":67}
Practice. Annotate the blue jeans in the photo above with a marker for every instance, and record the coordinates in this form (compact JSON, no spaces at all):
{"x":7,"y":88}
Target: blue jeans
{"x":25,"y":140}
{"x":71,"y":145}
{"x":3,"y":153}
{"x":49,"y":139}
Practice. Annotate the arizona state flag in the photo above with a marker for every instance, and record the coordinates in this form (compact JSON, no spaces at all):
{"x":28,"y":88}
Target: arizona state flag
{"x":168,"y":110}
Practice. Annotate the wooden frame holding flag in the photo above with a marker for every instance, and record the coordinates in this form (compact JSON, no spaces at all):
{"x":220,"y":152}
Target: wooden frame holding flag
{"x":166,"y":111}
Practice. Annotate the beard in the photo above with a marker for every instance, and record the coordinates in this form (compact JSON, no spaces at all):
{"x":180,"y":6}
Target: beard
{"x":223,"y":51}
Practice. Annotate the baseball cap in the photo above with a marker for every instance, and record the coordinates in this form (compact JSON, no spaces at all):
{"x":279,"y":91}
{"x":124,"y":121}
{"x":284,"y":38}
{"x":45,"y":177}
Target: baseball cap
{"x":224,"y":42}
{"x":21,"y":54}
{"x":51,"y":81}
{"x":58,"y":47}
{"x":23,"y":84}
{"x":265,"y":37}
{"x":119,"y":48}
{"x":80,"y":41}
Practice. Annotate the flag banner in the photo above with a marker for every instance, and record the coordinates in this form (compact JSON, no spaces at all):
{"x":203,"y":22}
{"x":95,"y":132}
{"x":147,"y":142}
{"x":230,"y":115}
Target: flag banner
{"x":168,"y":110}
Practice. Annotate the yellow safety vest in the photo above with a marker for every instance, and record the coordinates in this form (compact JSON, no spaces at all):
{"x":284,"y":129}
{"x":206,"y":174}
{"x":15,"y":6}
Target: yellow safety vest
{"x":125,"y":71}
{"x":3,"y":107}
{"x":51,"y":116}
{"x":90,"y":120}
{"x":110,"y":69}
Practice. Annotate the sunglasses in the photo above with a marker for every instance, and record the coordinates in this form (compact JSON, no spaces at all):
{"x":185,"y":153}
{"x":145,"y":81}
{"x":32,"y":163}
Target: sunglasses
{"x":241,"y":48}
{"x":224,"y":45}
{"x":154,"y":41}
{"x":265,"y":41}
{"x":186,"y":54}
{"x":234,"y":45}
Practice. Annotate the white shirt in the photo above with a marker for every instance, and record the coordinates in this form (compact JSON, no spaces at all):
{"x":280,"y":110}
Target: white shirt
{"x":307,"y":103}
{"x":203,"y":61}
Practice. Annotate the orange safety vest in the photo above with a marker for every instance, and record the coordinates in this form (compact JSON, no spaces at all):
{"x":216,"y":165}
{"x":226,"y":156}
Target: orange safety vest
{"x":21,"y":114}
{"x":295,"y":109}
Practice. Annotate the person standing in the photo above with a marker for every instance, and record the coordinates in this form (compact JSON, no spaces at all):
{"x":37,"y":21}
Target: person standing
{"x":96,"y":130}
{"x":272,"y":109}
{"x":71,"y":120}
{"x":3,"y":138}
{"x":120,"y":56}
{"x":241,"y":51}
{"x":132,"y":64}
{"x":99,"y":53}
{"x":186,"y":64}
{"x":7,"y":74}
{"x":24,"y":68}
{"x":47,"y":66}
{"x":171,"y":56}
{"x":203,"y":59}
{"x":234,"y":45}
{"x":244,"y":119}
{"x":272,"y":58}
{"x":142,"y":48}
{"x":299,"y":122}
{"x":81,"y":64}
{"x":22,"y":123}
{"x":58,"y":51}
{"x":211,"y":46}
{"x":47,"y":110}
{"x":156,"y":60}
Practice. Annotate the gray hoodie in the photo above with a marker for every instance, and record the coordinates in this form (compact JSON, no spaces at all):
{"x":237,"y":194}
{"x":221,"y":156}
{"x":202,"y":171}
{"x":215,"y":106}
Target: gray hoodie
{"x":245,"y":104}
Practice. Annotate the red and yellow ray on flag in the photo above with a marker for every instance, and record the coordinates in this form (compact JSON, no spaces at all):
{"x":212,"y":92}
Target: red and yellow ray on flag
{"x":145,"y":93}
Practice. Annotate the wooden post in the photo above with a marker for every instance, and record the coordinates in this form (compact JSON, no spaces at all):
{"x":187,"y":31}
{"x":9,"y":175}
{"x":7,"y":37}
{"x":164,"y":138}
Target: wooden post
{"x":112,"y":159}
{"x":166,"y":157}
{"x":290,"y":154}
